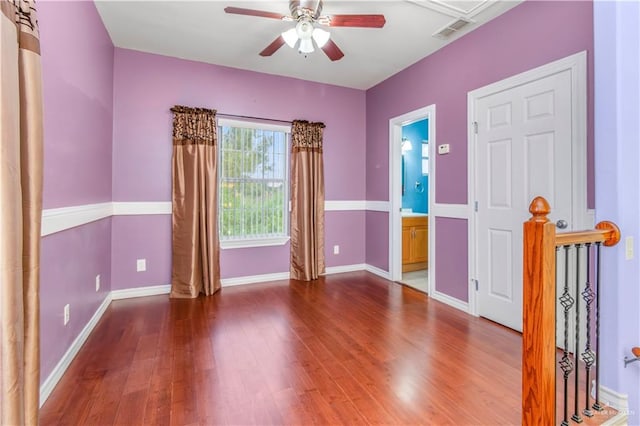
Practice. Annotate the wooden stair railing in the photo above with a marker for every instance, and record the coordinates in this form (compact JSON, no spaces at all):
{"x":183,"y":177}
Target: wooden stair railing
{"x":539,"y":307}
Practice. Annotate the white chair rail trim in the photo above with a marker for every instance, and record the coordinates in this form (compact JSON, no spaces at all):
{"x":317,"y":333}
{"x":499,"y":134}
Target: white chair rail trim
{"x":63,"y":218}
{"x":60,"y":219}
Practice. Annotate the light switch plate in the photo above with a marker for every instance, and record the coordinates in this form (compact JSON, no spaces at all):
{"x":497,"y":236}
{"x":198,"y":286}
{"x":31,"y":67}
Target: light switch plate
{"x":628,"y":248}
{"x":443,"y":149}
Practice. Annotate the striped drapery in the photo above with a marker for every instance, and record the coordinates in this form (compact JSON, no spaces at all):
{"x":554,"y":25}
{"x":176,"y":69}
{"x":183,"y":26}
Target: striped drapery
{"x":307,"y":201}
{"x":20,"y":212}
{"x":195,"y":245}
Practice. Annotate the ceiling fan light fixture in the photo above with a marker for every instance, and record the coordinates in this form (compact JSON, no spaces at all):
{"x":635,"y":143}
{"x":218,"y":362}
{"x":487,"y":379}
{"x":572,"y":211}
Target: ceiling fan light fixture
{"x":290,"y":37}
{"x":304,"y":29}
{"x":306,"y":46}
{"x":320,"y":36}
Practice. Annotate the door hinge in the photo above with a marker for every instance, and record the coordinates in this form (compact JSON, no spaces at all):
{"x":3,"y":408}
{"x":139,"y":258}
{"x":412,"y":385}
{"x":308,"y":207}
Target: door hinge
{"x":476,"y":283}
{"x":475,"y":206}
{"x":475,"y":127}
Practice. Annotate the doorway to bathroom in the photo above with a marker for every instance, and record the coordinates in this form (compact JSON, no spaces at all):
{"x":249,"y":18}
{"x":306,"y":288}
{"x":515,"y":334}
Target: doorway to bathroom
{"x":412,"y":138}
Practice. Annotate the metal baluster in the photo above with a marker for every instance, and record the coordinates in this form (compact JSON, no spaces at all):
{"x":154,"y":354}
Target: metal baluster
{"x":566,"y":364}
{"x":597,"y":406}
{"x":588,"y":355}
{"x":576,"y":410}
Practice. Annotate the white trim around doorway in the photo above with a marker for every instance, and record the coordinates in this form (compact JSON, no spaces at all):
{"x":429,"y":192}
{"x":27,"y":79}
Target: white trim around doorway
{"x":577,"y":64}
{"x":395,"y":193}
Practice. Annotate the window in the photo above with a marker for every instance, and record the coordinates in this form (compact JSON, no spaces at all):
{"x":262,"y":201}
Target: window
{"x":253,"y":184}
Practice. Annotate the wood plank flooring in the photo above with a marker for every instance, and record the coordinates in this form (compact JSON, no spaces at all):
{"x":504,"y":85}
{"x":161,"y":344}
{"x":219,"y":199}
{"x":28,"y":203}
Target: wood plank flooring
{"x":348,"y":349}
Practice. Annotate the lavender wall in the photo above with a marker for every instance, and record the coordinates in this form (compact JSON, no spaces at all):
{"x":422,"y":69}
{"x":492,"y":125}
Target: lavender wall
{"x":617,"y":130}
{"x":508,"y":45}
{"x":137,"y":237}
{"x":377,"y":232}
{"x":77,"y":68}
{"x":451,"y":274}
{"x":69,"y":265}
{"x":146,"y":86}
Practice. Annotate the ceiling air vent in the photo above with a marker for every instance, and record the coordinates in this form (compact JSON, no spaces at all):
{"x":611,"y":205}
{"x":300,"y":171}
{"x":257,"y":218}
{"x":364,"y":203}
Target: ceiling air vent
{"x":451,"y":28}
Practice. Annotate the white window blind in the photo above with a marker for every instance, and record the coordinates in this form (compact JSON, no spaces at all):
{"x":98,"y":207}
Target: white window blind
{"x":253,"y":181}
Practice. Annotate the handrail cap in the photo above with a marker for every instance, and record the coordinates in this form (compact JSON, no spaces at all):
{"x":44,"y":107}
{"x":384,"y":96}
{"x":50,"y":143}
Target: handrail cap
{"x":539,"y":209}
{"x":614,"y":232}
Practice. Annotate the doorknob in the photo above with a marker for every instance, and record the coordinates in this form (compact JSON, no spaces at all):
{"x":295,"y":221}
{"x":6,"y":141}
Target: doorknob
{"x":561,"y":224}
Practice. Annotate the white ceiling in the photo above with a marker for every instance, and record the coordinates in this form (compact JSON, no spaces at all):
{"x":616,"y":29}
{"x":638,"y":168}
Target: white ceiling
{"x":202,"y":31}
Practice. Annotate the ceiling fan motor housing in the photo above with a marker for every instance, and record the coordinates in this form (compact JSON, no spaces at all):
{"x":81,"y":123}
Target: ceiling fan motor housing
{"x":310,"y":9}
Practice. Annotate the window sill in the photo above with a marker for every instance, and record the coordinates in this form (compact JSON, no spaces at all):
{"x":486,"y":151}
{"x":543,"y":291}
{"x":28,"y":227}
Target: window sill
{"x":262,"y":242}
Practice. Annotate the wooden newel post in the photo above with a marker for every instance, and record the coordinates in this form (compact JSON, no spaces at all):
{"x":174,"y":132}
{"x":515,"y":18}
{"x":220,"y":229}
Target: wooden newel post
{"x":539,"y":317}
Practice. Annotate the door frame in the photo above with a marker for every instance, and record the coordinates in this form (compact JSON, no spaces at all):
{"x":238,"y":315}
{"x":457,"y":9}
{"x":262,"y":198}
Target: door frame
{"x":580,"y":217}
{"x":395,"y":190}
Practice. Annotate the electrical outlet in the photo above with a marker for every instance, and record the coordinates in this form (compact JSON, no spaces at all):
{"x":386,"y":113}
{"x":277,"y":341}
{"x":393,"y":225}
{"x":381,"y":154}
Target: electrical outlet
{"x":98,"y":282}
{"x":336,"y":249}
{"x":141,"y":265}
{"x":66,"y":314}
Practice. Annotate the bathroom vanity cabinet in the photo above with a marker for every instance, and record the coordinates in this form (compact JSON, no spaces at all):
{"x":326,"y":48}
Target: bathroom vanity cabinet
{"x":415,"y":243}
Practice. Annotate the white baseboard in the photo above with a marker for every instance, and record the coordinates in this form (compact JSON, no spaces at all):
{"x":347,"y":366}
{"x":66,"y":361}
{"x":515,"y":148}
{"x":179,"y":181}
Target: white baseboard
{"x":377,"y":271}
{"x":130,"y":293}
{"x":612,"y":398}
{"x":227,"y":282}
{"x":615,"y":400}
{"x":253,"y":279}
{"x":50,"y":382}
{"x":451,"y":301}
{"x":345,"y":268}
{"x":620,"y":419}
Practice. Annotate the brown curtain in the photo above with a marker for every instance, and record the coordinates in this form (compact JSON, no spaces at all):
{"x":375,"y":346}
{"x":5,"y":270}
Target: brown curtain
{"x":307,"y":201}
{"x":196,"y":249}
{"x":20,"y":212}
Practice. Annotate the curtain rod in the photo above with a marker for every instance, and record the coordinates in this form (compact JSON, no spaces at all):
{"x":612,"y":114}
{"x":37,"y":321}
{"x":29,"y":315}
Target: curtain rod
{"x":254,"y":118}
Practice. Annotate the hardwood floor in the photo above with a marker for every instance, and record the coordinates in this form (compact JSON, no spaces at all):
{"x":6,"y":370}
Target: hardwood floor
{"x":348,"y":349}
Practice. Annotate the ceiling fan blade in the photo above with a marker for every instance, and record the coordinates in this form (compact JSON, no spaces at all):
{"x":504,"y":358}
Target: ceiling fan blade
{"x":363,"y":21}
{"x":253,"y":12}
{"x":332,"y":50}
{"x":275,"y":45}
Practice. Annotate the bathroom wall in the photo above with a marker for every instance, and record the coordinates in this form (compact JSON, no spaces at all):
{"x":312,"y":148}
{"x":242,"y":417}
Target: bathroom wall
{"x":415,"y":197}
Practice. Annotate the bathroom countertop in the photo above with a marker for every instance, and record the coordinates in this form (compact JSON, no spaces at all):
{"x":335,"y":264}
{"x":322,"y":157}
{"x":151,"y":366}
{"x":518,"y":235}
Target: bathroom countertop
{"x":414,"y":214}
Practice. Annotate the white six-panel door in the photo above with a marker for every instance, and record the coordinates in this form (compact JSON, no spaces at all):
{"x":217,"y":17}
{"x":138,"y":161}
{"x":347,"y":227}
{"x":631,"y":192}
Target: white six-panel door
{"x":523,"y":149}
